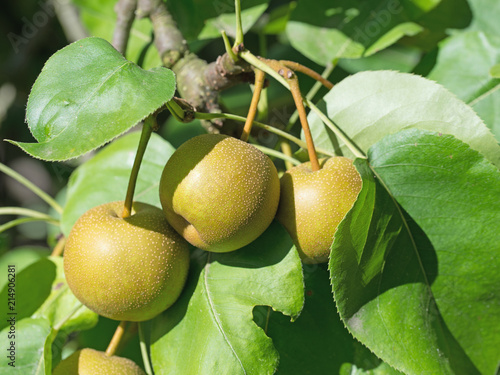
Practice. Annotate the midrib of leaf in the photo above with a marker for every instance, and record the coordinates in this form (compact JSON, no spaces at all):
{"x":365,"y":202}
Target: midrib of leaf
{"x":91,"y":95}
{"x":415,"y":248}
{"x":214,"y":314}
{"x":485,"y":95}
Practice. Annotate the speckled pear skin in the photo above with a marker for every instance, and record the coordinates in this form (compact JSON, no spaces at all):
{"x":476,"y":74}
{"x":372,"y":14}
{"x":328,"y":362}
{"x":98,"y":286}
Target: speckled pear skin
{"x":93,"y":362}
{"x":219,"y":193}
{"x":125,"y":269}
{"x":312,"y":204}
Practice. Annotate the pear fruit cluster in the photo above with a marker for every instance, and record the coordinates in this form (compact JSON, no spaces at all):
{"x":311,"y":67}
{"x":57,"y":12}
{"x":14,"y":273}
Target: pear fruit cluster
{"x":93,"y":362}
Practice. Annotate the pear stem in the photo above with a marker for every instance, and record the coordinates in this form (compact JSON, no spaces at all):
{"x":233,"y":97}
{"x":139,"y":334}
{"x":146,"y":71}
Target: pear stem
{"x":144,"y":350}
{"x":239,"y":26}
{"x":297,"y":97}
{"x":115,"y":340}
{"x":287,"y":150}
{"x":259,"y":84}
{"x":269,"y":128}
{"x":147,"y":129}
{"x":58,"y":249}
{"x":310,"y":95}
{"x":307,"y":71}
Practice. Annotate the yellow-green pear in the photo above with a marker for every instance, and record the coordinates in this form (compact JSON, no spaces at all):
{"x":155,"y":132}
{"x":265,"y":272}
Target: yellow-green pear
{"x":93,"y":362}
{"x":125,"y":268}
{"x":219,"y":193}
{"x":312,"y":204}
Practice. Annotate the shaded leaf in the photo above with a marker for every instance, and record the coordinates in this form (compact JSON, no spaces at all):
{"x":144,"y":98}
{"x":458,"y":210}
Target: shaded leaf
{"x":477,"y":86}
{"x":369,"y":105}
{"x":317,"y":342}
{"x":21,"y":257}
{"x":381,"y":268}
{"x":104,"y":178}
{"x":86,"y":95}
{"x":452,"y":193}
{"x":323,"y":32}
{"x":32,"y":287}
{"x":211,"y":323}
{"x":61,"y":308}
{"x":31,"y":344}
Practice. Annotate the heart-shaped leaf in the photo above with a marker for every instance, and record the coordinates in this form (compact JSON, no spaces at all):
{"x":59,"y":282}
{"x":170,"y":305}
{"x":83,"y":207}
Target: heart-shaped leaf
{"x":369,"y":105}
{"x":86,"y":95}
{"x":211,"y":323}
{"x":104,"y":178}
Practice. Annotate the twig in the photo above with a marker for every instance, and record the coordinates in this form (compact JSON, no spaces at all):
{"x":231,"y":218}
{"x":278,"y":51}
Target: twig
{"x":125,"y":15}
{"x":305,"y":70}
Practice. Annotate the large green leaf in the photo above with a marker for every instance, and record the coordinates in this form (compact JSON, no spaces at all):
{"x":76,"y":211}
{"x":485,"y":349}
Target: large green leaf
{"x":61,"y":308}
{"x":381,"y":268}
{"x":476,"y":86}
{"x":205,"y":19}
{"x":99,"y":18}
{"x":369,"y":105}
{"x":104,"y":178}
{"x":323,"y":31}
{"x":211,"y":326}
{"x":317,"y":342}
{"x":423,"y":302}
{"x":453,"y":193}
{"x":32,"y":339}
{"x":86,"y":95}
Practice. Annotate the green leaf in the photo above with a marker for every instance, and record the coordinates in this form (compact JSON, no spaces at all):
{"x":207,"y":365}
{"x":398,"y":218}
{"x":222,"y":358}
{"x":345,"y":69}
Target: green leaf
{"x":86,"y":95}
{"x":32,"y":340}
{"x":205,"y":19}
{"x":317,"y":342}
{"x":61,"y":308}
{"x":32,"y":287}
{"x":369,"y":105}
{"x":211,"y":323}
{"x":99,"y":18}
{"x":452,"y":193}
{"x":495,"y":71}
{"x":21,"y":257}
{"x":381,"y":268}
{"x":477,"y":86}
{"x":109,"y":170}
{"x":323,"y":32}
{"x":485,"y":14}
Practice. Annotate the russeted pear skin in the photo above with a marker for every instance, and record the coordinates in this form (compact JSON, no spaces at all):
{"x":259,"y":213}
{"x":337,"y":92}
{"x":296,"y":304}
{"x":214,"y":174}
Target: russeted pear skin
{"x":219,"y":193}
{"x":312,"y":204}
{"x":93,"y":362}
{"x":125,"y":268}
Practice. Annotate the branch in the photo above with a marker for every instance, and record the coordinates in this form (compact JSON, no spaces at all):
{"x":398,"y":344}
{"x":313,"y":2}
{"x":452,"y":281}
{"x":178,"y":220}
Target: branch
{"x":125,"y":13}
{"x":198,"y":82}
